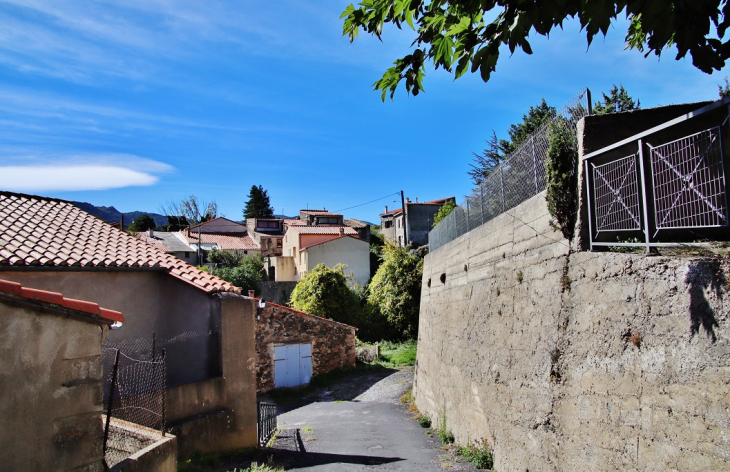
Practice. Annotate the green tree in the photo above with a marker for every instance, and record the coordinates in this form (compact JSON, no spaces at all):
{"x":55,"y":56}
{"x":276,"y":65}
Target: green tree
{"x":724,"y":90}
{"x":396,"y":290}
{"x":445,"y":209}
{"x":245,"y":275}
{"x":562,"y":178}
{"x":223,"y":258}
{"x":618,"y":100}
{"x":258,"y":204}
{"x":142,"y":223}
{"x":325,"y":292}
{"x":498,"y":149}
{"x":461,"y":36}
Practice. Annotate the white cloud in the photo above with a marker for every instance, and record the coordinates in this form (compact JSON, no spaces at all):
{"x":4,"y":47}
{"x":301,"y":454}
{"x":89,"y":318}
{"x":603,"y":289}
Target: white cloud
{"x":100,"y":172}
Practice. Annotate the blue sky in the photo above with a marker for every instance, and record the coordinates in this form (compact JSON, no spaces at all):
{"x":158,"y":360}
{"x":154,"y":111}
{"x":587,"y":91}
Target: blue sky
{"x":137,"y":103}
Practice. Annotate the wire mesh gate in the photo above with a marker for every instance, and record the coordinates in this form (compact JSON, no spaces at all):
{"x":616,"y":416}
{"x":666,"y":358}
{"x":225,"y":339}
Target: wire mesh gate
{"x":647,"y":198}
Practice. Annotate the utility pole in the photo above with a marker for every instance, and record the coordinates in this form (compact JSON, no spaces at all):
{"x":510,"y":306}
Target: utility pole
{"x":405,"y":219}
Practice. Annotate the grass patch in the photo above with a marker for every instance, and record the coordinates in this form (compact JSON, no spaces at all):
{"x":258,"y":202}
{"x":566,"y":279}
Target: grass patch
{"x":478,"y":453}
{"x":259,"y":468}
{"x":394,"y":355}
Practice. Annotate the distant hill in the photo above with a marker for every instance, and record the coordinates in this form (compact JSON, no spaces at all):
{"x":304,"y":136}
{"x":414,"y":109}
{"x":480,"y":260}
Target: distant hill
{"x":112,"y":215}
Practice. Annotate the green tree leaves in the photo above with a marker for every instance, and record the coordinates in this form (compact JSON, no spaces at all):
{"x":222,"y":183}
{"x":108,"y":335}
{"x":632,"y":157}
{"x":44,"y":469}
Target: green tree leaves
{"x":395,"y":290}
{"x":245,"y":275}
{"x":618,"y":100}
{"x":258,"y":204}
{"x":455,"y":33}
{"x":445,"y":209}
{"x":324,"y":292}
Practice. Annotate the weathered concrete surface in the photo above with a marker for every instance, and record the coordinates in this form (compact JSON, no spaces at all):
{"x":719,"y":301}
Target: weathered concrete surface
{"x":50,"y":391}
{"x":575,"y":361}
{"x":333,"y":343}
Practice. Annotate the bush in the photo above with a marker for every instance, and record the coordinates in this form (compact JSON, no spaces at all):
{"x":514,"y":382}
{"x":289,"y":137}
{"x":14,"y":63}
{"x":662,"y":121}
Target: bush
{"x":396,"y":290}
{"x":424,"y":421}
{"x":244,"y":275}
{"x":478,"y":453}
{"x":325,"y":292}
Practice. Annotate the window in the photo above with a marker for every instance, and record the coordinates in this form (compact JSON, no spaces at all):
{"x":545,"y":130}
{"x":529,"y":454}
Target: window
{"x":327,"y":220}
{"x":388,"y":224}
{"x":187,"y":254}
{"x":267,"y":224}
{"x":278,"y":243}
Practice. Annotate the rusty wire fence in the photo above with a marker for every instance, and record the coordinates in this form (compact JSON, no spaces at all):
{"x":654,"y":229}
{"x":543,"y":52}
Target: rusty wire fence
{"x":520,"y":176}
{"x":137,"y":372}
{"x":134,"y":396}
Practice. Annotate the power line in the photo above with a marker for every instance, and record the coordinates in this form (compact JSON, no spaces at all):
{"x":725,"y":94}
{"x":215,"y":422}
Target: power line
{"x":368,"y":203}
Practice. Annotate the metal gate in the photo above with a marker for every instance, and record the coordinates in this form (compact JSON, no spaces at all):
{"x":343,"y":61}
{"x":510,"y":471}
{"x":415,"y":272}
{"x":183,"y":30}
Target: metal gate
{"x":292,"y":365}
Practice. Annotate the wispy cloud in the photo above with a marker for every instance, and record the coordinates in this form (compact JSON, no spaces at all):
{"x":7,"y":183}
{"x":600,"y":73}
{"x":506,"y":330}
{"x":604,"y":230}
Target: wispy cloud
{"x":32,"y":173}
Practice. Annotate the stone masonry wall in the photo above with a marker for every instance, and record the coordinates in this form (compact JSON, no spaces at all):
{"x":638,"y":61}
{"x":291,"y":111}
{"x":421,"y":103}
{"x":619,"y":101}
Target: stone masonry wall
{"x":333,"y":343}
{"x":575,"y":361}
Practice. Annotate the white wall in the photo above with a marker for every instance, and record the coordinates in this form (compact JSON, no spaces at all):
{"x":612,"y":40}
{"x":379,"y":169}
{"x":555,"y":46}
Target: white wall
{"x":354,"y":253}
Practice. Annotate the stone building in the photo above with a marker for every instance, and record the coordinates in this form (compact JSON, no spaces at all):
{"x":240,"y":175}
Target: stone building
{"x":293,"y":346}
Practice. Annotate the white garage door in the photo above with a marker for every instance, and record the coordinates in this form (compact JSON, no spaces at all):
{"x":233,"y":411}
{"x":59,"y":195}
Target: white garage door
{"x":292,"y":365}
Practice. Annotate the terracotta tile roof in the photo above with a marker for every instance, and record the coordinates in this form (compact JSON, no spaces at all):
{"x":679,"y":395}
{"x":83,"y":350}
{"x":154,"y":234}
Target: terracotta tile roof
{"x":330,"y":240}
{"x":321,"y":230}
{"x":53,"y":298}
{"x":353,"y":223}
{"x":392,"y":212}
{"x":220,"y":218}
{"x":294,"y":222}
{"x":39,"y":231}
{"x":230,"y":241}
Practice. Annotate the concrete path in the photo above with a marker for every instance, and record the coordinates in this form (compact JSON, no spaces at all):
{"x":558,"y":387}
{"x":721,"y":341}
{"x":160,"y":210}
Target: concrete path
{"x":358,"y":435}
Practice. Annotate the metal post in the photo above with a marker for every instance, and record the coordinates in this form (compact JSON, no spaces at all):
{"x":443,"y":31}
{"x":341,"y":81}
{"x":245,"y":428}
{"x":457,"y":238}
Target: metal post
{"x":467,"y":213}
{"x":643,"y":194}
{"x":534,"y":162}
{"x":481,"y":200}
{"x":164,"y":392}
{"x":590,"y":105}
{"x":111,"y":400}
{"x":587,"y":179}
{"x":501,"y":182}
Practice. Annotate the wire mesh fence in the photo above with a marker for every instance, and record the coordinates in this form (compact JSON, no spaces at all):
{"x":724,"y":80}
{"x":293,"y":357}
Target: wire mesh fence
{"x":137,"y":372}
{"x":520,"y":176}
{"x":135,"y":394}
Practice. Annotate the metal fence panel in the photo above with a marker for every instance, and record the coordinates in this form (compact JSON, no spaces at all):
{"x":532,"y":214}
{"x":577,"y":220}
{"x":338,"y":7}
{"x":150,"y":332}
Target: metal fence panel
{"x":689,"y":182}
{"x":617,"y":195}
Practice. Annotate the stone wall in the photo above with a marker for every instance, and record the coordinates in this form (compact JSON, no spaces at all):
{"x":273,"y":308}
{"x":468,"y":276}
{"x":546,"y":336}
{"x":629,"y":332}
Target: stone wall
{"x":333,"y":343}
{"x":276,"y":292}
{"x":571,"y":360}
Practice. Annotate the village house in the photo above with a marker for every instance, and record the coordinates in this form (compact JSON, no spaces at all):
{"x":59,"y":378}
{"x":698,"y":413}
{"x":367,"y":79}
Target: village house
{"x":413,"y":226}
{"x":205,"y":326}
{"x":321,"y":237}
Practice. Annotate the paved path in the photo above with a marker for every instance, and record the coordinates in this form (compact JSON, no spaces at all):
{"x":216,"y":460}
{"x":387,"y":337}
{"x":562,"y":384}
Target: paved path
{"x":378,"y":434}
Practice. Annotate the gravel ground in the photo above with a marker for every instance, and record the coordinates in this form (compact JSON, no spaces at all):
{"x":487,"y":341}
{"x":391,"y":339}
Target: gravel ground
{"x":389,"y":389}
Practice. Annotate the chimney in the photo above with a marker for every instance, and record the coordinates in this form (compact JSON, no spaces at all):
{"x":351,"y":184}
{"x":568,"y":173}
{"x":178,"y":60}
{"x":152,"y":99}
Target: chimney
{"x":152,"y":233}
{"x":342,"y":231}
{"x":251,"y":294}
{"x":386,"y":208}
{"x":408,"y":200}
{"x":416,"y":199}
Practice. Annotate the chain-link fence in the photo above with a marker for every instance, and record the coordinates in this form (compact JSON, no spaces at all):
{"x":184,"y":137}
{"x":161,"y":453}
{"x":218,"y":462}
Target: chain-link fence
{"x":134,"y":394}
{"x":137,"y":372}
{"x":192,"y":356}
{"x":520,"y":176}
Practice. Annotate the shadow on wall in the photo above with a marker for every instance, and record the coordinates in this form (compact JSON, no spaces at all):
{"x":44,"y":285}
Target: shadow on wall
{"x":702,"y":275}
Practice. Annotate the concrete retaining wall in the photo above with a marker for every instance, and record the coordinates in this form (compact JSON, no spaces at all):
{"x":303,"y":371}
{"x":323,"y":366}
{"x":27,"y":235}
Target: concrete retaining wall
{"x":575,"y":361}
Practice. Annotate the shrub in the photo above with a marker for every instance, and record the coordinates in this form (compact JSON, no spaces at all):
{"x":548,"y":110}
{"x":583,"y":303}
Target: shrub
{"x":424,"y":421}
{"x":244,"y":275}
{"x":478,"y":453}
{"x":325,"y":292}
